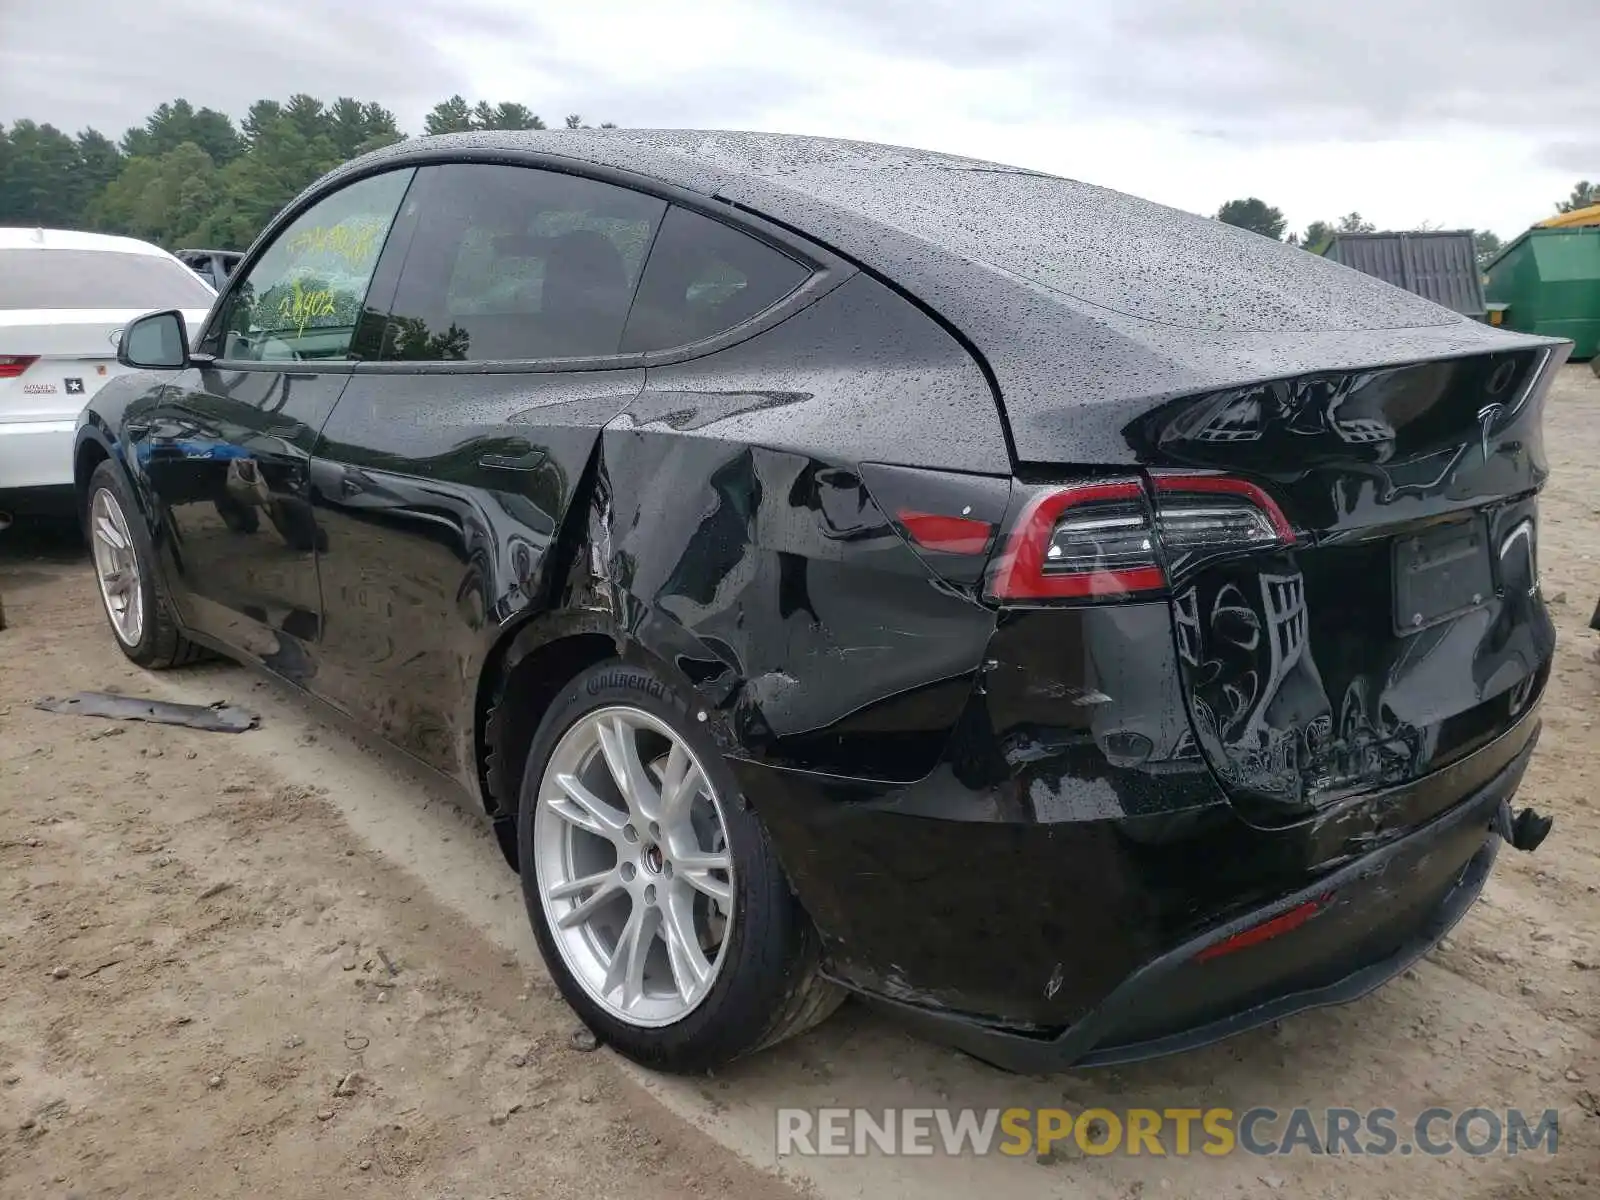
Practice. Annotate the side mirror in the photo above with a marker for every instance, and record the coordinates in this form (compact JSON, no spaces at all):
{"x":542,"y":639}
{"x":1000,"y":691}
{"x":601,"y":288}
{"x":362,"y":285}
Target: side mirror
{"x":157,"y":341}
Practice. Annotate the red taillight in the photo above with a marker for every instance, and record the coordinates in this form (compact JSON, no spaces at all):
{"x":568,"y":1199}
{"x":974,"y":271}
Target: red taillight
{"x":1284,"y":922}
{"x":1109,"y":540}
{"x":12,"y":365}
{"x":1093,"y":539}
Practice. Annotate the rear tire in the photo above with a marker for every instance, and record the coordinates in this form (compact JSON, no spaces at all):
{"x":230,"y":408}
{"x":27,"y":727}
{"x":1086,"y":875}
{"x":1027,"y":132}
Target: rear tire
{"x":153,"y":640}
{"x":763,"y":985}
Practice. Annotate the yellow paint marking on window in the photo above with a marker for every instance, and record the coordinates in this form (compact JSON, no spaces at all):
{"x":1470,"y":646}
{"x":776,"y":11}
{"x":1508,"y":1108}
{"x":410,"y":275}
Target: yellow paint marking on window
{"x":354,"y":242}
{"x":301,"y":307}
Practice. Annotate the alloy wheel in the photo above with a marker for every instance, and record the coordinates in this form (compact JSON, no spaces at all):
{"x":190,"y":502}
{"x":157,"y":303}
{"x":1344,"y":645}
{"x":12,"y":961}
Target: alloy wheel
{"x":116,"y":567}
{"x":633,"y":866}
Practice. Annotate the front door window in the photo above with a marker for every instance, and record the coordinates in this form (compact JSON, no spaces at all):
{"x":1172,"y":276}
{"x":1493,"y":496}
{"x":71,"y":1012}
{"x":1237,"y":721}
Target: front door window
{"x":302,"y":299}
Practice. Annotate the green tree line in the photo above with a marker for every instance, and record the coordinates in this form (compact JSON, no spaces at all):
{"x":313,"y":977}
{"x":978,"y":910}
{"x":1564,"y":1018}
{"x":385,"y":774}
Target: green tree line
{"x":192,"y":177}
{"x":1258,"y":216}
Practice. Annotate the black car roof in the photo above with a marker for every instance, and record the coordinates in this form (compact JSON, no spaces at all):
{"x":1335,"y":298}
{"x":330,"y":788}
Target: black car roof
{"x":1073,"y":293}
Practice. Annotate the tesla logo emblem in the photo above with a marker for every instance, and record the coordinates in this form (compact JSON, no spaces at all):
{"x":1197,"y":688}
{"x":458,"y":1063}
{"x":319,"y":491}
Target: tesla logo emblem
{"x":1487,"y":416}
{"x":1501,"y":379}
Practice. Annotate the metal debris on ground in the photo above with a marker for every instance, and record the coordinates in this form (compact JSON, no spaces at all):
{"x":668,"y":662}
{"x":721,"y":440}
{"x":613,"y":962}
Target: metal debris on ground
{"x":216,"y":718}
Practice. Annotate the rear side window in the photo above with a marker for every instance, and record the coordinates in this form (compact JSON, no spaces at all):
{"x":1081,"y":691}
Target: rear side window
{"x":704,"y":277}
{"x":518,"y":263}
{"x":303,"y":297}
{"x":96,"y":279}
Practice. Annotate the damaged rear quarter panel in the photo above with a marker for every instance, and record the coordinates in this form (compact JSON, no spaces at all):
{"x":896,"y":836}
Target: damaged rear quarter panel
{"x":771,"y":582}
{"x":740,"y":546}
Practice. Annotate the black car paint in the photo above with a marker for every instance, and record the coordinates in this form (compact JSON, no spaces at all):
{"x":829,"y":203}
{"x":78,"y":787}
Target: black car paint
{"x":417,"y":538}
{"x":1373,"y":917}
{"x":1146,"y":308}
{"x":186,"y":437}
{"x":1110,"y":865}
{"x":1302,"y":682}
{"x":995,"y":813}
{"x":437,"y":533}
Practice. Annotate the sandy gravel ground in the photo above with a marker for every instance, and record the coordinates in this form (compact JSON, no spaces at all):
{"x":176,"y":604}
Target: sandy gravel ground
{"x":273,"y":965}
{"x":209,"y":987}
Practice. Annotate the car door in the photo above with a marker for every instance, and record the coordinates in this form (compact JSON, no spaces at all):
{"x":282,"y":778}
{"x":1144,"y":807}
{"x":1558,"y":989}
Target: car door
{"x":227,"y":447}
{"x":446,"y":469}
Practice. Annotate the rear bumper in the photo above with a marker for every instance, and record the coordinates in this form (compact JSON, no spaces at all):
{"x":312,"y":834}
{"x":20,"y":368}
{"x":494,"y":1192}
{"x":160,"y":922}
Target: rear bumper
{"x":36,"y":454}
{"x":1039,"y":945}
{"x":1373,"y":918}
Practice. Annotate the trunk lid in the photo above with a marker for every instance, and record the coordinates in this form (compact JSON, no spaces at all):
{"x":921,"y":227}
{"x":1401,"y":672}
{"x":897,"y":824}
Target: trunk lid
{"x":1403,"y":629}
{"x":72,"y":351}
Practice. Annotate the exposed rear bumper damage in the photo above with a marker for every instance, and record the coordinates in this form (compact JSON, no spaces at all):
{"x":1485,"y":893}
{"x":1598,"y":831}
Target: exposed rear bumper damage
{"x":1368,"y":922}
{"x":1342,"y":933}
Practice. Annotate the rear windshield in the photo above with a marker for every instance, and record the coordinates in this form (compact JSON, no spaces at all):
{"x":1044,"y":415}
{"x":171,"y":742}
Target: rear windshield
{"x":97,"y":279}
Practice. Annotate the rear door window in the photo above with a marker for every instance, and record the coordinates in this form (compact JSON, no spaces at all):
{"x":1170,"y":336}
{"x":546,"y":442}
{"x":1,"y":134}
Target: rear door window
{"x":302,"y":299}
{"x":705,"y":277}
{"x":512,"y":263}
{"x":96,"y":279}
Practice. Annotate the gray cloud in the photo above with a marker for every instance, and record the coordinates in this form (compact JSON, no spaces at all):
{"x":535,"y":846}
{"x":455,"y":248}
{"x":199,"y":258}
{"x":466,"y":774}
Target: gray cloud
{"x":1251,"y":72}
{"x":1579,"y":157}
{"x":1253,"y":69}
{"x":67,"y":63}
{"x":228,"y":56}
{"x":734,"y":95}
{"x":1376,"y":67}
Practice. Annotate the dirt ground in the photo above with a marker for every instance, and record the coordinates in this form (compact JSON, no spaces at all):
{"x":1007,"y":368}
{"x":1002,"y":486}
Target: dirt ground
{"x":209,"y":987}
{"x":270,"y":965}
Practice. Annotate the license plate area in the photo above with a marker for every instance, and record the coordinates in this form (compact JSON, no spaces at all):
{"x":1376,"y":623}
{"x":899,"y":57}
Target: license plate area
{"x":1440,"y":574}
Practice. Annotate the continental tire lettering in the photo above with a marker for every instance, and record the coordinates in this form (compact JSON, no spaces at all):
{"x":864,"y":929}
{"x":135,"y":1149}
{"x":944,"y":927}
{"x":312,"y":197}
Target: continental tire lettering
{"x":628,"y":679}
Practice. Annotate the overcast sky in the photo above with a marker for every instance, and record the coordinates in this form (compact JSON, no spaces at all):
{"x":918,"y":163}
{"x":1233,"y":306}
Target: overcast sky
{"x":1456,"y":112}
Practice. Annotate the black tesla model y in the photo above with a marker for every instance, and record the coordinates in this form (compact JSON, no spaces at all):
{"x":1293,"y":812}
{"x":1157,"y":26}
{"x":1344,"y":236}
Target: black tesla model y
{"x":1084,"y":628}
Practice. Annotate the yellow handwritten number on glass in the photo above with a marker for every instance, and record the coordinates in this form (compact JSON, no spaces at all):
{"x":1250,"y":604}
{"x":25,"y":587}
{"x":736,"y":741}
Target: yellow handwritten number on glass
{"x":301,"y":307}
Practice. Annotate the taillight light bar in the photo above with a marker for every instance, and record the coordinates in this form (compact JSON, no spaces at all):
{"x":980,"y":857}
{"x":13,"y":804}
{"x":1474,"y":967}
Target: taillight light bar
{"x":1091,"y":539}
{"x":12,"y":365}
{"x":1115,"y":539}
{"x":1172,"y":484}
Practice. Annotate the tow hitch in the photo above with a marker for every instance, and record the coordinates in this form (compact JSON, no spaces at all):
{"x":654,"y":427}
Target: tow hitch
{"x":1525,"y":830}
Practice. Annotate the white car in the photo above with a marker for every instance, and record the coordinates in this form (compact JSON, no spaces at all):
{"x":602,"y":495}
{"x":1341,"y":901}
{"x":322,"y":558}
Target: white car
{"x":64,"y":299}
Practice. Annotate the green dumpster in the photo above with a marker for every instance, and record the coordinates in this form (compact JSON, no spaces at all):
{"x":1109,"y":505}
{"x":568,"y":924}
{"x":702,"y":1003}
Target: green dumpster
{"x":1549,"y":280}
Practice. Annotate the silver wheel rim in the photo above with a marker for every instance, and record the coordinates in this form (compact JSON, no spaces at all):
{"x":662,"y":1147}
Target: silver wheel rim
{"x":633,"y":868}
{"x":117,"y":567}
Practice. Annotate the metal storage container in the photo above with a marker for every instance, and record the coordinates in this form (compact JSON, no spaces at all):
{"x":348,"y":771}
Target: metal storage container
{"x":1442,"y":266}
{"x":1549,"y":279}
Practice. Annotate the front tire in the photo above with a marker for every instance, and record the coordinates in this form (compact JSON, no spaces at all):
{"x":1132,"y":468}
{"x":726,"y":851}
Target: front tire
{"x":124,"y":563}
{"x":653,"y":889}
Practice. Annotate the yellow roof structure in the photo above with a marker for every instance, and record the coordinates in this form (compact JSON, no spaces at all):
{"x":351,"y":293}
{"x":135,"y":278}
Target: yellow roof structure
{"x":1583,"y":216}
